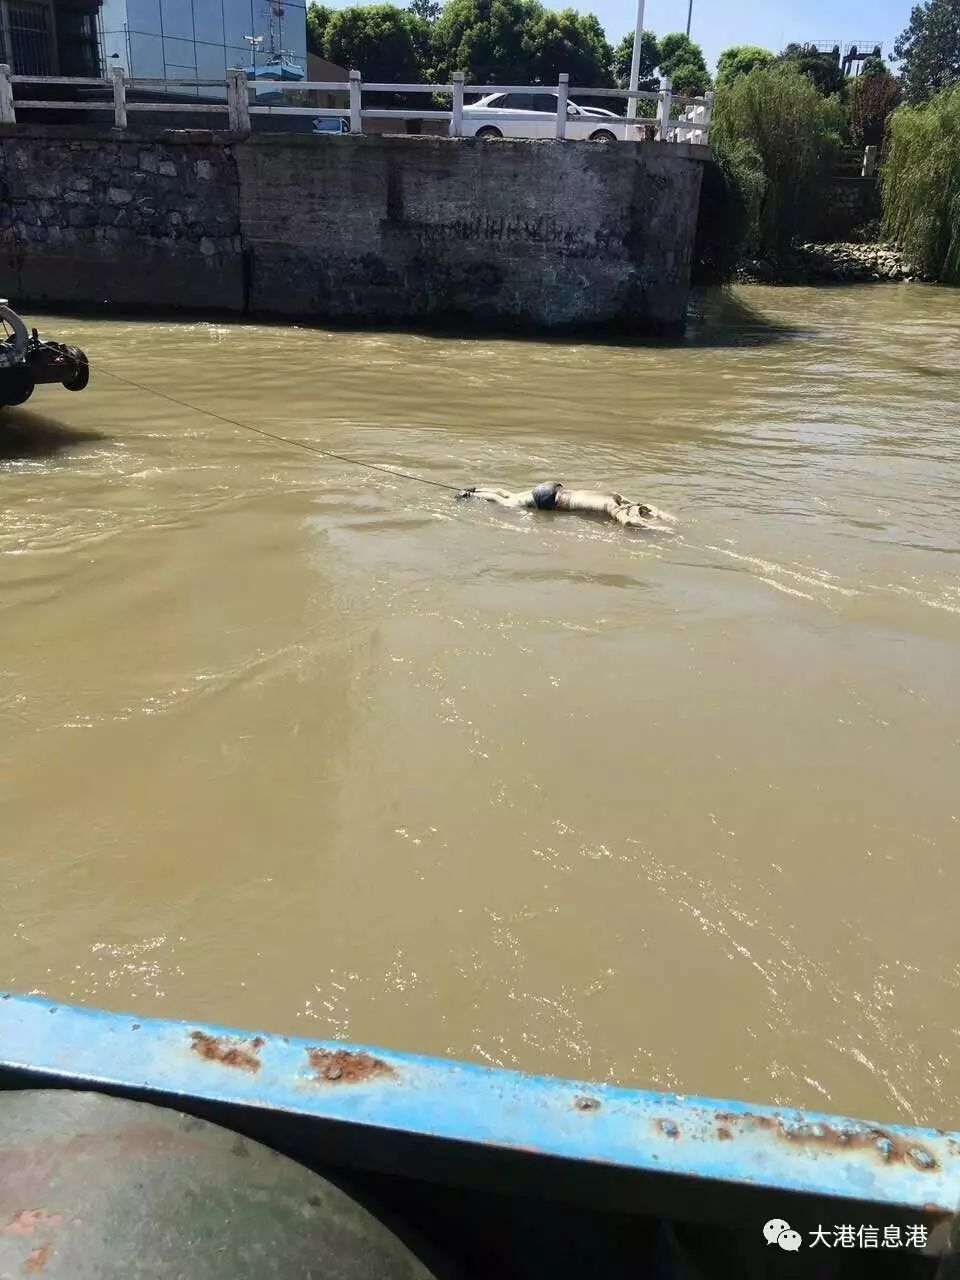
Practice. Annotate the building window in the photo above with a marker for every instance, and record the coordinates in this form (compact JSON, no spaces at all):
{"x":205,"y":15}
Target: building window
{"x":78,"y":43}
{"x":27,"y":37}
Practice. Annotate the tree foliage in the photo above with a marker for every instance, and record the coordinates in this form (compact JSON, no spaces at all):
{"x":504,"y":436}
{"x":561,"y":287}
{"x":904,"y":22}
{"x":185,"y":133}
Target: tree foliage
{"x":567,"y":41}
{"x":496,"y":42}
{"x":318,"y":16}
{"x":876,"y":93}
{"x":683,"y":62}
{"x":740,"y":59}
{"x":487,"y":39}
{"x":428,"y":10}
{"x":920,"y":179}
{"x":649,"y":60}
{"x":930,"y":48}
{"x":821,"y":69}
{"x":783,"y":134}
{"x":379,"y":39}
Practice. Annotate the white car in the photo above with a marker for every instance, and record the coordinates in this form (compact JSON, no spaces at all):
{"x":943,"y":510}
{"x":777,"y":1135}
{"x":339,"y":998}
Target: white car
{"x":534,"y":115}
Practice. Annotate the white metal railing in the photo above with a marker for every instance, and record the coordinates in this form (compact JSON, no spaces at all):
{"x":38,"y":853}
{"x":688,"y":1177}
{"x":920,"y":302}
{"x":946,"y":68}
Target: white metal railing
{"x":678,"y":118}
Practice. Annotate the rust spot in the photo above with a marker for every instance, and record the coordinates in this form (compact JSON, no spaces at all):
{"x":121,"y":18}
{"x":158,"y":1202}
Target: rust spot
{"x":6,"y":995}
{"x":724,"y":1134}
{"x":232,"y":1053}
{"x":39,"y":1258}
{"x":669,"y":1128}
{"x":135,"y":1027}
{"x":583,"y":1103}
{"x":876,"y":1142}
{"x":345,"y":1067}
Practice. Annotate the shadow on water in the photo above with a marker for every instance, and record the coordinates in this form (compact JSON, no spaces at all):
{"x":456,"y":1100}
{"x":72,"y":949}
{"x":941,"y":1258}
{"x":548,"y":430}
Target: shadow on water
{"x":25,"y":434}
{"x":716,"y":318}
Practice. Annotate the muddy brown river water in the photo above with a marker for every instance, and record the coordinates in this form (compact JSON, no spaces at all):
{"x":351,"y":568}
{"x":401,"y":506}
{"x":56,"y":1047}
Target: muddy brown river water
{"x":290,"y":744}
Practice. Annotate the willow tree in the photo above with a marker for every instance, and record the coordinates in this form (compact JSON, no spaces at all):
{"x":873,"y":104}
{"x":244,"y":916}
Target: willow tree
{"x":920,"y":179}
{"x":782,"y":135}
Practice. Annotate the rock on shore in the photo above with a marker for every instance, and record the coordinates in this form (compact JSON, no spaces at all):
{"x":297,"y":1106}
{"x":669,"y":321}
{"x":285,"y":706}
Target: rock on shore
{"x":809,"y":263}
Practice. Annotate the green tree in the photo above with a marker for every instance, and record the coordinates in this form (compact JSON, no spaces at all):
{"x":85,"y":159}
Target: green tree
{"x":318,"y":17}
{"x":740,"y":59}
{"x":380,"y":40}
{"x":875,"y":95}
{"x":783,"y":133}
{"x":920,"y":180}
{"x":821,"y":69}
{"x":683,"y":62}
{"x":649,"y":58}
{"x":571,"y":42}
{"x":930,"y":48}
{"x":428,"y":10}
{"x":490,"y":40}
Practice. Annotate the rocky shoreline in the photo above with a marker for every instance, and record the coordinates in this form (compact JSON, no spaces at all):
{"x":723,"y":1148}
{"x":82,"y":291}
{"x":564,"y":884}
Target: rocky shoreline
{"x":845,"y":262}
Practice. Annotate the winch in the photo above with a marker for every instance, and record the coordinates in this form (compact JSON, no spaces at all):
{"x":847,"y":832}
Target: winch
{"x":27,"y":360}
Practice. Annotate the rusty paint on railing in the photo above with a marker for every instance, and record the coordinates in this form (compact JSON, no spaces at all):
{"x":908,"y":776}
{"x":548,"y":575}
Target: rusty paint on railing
{"x":756,"y":1149}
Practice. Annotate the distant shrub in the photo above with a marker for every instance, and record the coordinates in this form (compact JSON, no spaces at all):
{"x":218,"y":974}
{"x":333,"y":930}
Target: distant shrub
{"x":920,"y":180}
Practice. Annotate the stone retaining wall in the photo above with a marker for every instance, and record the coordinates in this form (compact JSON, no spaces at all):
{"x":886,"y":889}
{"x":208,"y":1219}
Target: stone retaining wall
{"x":850,"y":205}
{"x":89,"y":221}
{"x":373,"y":229}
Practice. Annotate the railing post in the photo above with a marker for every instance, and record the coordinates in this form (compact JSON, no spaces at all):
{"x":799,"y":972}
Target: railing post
{"x":707,"y":116}
{"x":563,"y":91}
{"x":238,"y":100}
{"x":8,"y":114}
{"x":456,"y":114}
{"x":119,"y":98}
{"x":663,"y":108}
{"x":869,"y":167}
{"x":356,"y":125}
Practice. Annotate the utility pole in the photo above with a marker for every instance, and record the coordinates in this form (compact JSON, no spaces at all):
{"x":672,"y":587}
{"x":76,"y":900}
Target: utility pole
{"x":689,"y":16}
{"x":635,"y":62}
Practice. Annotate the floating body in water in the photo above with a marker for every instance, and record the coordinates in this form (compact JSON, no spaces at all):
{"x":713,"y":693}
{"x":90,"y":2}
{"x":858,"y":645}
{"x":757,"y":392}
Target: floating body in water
{"x":552,"y":496}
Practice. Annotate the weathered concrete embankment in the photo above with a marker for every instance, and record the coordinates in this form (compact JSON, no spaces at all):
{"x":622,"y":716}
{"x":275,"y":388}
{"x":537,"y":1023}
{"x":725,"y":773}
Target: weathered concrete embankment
{"x":352,"y":229}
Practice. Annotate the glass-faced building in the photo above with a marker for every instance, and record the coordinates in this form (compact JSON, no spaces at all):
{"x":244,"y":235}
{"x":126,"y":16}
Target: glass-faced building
{"x":197,"y":39}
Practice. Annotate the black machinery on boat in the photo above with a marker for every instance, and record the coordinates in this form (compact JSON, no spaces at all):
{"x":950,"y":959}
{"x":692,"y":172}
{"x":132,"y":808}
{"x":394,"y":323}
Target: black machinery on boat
{"x":26,"y":360}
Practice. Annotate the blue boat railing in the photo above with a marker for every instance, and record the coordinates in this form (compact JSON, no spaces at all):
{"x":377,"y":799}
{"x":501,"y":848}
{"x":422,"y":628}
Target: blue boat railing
{"x":685,"y":1158}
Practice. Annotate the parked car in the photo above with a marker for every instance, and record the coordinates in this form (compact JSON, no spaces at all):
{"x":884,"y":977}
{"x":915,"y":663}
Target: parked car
{"x":534,"y":115}
{"x":330,"y":124}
